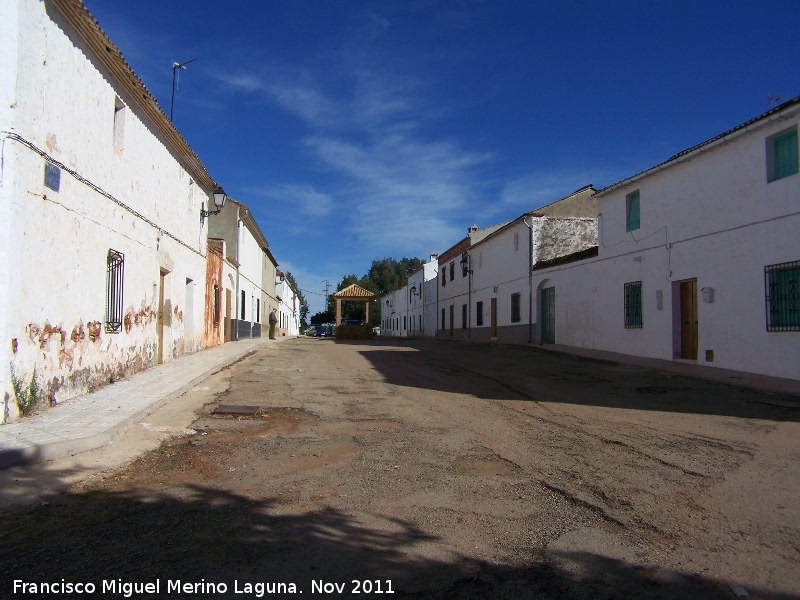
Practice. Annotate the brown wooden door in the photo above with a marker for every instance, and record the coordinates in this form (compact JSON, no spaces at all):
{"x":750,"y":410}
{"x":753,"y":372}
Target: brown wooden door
{"x":494,"y":318}
{"x":689,"y":319}
{"x":227,"y":315}
{"x":160,"y":318}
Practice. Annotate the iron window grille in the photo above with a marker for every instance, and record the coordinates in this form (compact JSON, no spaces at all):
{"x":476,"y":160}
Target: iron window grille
{"x":115,"y":275}
{"x":782,"y":287}
{"x":633,"y":305}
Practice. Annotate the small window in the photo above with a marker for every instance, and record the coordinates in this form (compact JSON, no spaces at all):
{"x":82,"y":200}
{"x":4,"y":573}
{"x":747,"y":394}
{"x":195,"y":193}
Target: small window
{"x":119,"y":124}
{"x":479,"y":314}
{"x":633,"y":305}
{"x":515,"y":311}
{"x":405,"y":323}
{"x":782,"y":283}
{"x":258,"y":310}
{"x":632,"y":211}
{"x":243,"y":311}
{"x":115,"y":273}
{"x":782,"y":159}
{"x":463,"y":316}
{"x":464,"y":264}
{"x":452,"y":270}
{"x":444,"y":275}
{"x":444,"y":325}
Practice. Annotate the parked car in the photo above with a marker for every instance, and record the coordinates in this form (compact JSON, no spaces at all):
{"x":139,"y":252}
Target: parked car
{"x":376,"y":331}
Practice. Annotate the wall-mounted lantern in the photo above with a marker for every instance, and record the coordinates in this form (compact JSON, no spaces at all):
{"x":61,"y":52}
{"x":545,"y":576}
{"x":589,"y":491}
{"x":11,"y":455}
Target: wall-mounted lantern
{"x":219,"y":202}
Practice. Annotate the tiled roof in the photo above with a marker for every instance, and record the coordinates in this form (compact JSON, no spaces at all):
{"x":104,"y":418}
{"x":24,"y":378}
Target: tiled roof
{"x":110,"y":58}
{"x":354,"y":291}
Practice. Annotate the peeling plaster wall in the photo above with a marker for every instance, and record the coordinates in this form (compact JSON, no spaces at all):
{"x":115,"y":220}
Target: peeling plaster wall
{"x":213,"y":333}
{"x":54,"y":321}
{"x":554,"y":238}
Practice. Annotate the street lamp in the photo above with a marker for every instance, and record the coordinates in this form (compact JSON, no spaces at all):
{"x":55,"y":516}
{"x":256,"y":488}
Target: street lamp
{"x":219,"y":202}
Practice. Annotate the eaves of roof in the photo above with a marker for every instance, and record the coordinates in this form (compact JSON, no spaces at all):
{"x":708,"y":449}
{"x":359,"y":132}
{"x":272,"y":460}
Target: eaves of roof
{"x":781,"y":111}
{"x":109,"y":56}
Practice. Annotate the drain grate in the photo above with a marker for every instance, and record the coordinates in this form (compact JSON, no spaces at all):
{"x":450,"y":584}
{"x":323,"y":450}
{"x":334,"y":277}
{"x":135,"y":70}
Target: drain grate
{"x":235,"y":409}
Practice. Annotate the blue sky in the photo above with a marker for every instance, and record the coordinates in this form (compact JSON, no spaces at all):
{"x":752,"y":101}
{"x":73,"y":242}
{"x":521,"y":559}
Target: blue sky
{"x":363,"y":129}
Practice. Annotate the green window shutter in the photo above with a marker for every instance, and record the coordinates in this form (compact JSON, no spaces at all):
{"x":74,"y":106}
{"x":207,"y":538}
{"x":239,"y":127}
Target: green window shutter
{"x":786,"y":162}
{"x":632,"y":221}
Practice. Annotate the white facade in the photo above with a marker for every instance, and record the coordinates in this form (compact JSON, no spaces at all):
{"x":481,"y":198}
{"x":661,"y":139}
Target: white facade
{"x":712,"y":231}
{"x":289,"y":310}
{"x":394,"y":313}
{"x":502,"y":299}
{"x":103,"y":249}
{"x":249,"y":273}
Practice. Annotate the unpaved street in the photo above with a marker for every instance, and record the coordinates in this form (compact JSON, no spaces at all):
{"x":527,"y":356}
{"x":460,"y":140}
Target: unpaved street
{"x":440,"y":470}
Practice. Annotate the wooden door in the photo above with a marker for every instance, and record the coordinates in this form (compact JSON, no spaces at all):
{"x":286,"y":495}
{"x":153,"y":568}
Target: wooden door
{"x":160,"y":318}
{"x":689,"y":319}
{"x":494,"y":317}
{"x":227,"y":315}
{"x":549,"y":315}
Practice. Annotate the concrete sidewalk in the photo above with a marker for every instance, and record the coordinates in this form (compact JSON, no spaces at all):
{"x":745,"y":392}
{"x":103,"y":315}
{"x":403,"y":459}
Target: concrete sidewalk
{"x":91,"y":421}
{"x":690,"y":368}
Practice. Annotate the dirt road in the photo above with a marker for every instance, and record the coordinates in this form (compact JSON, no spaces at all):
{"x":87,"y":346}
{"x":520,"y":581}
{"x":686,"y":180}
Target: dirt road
{"x":434,"y":470}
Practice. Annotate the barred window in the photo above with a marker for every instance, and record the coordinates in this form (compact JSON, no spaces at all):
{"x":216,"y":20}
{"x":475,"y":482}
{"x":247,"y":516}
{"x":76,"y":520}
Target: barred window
{"x":782,"y":283}
{"x":633,"y":305}
{"x":115,"y":272}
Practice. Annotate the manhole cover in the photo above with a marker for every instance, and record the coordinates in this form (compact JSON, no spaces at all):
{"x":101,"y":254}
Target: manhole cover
{"x":235,"y":409}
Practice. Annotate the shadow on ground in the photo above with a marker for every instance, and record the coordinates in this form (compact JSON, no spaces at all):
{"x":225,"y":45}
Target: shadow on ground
{"x":204,"y":535}
{"x":505,"y":372}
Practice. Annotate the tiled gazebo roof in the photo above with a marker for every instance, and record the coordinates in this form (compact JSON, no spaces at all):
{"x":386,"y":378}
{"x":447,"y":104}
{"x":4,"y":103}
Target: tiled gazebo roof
{"x":354,"y":292}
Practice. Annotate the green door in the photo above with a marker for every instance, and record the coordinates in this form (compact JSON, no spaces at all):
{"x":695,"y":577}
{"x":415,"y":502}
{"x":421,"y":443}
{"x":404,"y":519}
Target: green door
{"x":549,"y":315}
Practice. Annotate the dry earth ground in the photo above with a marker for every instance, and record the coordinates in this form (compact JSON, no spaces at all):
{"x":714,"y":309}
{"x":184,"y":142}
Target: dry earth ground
{"x":442,"y":470}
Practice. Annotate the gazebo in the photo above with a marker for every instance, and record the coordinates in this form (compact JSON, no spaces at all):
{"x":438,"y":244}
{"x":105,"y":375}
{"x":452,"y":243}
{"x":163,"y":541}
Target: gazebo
{"x":354,"y":332}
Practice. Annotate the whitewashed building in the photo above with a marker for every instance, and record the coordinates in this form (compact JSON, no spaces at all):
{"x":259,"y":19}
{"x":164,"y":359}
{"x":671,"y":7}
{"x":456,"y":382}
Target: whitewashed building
{"x":699,"y":257}
{"x":500,"y":301}
{"x":102,"y":250}
{"x":422,"y":296}
{"x":289,"y":310}
{"x":249,"y":274}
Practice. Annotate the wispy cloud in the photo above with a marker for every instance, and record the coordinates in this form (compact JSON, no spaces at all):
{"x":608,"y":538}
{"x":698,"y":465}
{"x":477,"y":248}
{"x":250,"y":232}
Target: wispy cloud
{"x":302,"y":199}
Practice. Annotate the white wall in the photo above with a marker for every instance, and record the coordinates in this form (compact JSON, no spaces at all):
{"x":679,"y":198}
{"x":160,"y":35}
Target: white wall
{"x":59,"y":240}
{"x":713,"y":218}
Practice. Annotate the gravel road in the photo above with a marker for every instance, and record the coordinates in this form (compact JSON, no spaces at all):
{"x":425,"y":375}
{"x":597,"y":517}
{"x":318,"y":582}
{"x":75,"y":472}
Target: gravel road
{"x":432,"y":470}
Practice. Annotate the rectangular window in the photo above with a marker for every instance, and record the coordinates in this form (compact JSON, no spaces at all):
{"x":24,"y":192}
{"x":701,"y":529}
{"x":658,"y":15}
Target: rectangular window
{"x":479,"y":314}
{"x":782,"y":283}
{"x":243,"y":312}
{"x":444,"y":275}
{"x":258,"y":310}
{"x":444,"y":325}
{"x":115,"y":273}
{"x":782,"y":159}
{"x":515,"y":312}
{"x":633,"y":305}
{"x":632,"y":211}
{"x":404,"y":323}
{"x":452,"y":270}
{"x":119,"y":125}
{"x":464,"y":264}
{"x":463,"y":316}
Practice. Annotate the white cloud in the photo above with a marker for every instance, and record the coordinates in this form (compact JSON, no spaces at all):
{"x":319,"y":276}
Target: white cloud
{"x":298,"y":198}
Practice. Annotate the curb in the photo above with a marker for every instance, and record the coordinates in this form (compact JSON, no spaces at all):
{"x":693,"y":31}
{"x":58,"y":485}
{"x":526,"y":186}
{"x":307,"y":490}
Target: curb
{"x":37,"y":453}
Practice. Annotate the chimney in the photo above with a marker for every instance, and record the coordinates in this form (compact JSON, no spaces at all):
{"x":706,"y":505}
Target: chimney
{"x":434,"y":257}
{"x":472,"y":229}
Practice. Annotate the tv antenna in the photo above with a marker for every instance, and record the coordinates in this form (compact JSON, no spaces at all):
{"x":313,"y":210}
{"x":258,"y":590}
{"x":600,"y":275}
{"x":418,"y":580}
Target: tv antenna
{"x":176,"y":66}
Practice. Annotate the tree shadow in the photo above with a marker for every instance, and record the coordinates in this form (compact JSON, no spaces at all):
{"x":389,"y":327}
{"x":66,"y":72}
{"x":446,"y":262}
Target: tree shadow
{"x":506,"y":372}
{"x":202,"y":535}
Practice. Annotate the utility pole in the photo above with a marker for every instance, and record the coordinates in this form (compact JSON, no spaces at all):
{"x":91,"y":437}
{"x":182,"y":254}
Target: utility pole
{"x":327,"y":285}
